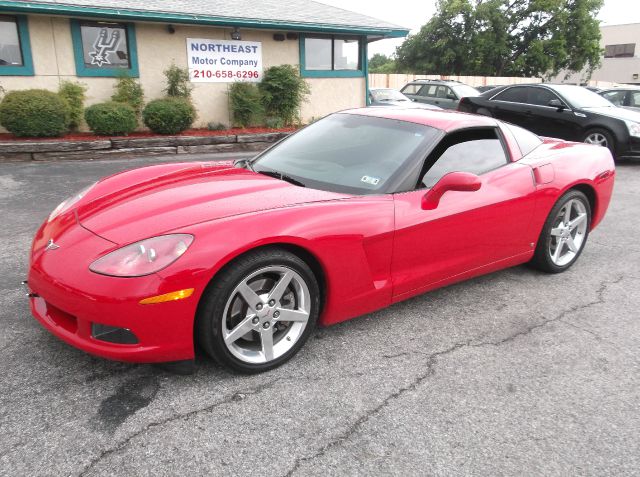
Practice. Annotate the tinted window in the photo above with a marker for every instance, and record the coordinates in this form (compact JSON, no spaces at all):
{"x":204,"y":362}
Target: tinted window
{"x":329,"y":53}
{"x":616,"y":97}
{"x":411,"y":89}
{"x":477,"y":151}
{"x":540,"y":96}
{"x":104,"y":45}
{"x":429,"y":90}
{"x":513,"y":95}
{"x":10,"y":53}
{"x":625,"y":50}
{"x":527,"y":141}
{"x":348,"y":153}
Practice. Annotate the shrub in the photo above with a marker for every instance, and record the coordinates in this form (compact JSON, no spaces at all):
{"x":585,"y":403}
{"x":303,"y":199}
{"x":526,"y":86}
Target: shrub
{"x":129,"y":91}
{"x":283,"y":92}
{"x":34,"y":113}
{"x":169,"y":115}
{"x":216,"y":126}
{"x":245,"y":104}
{"x":111,"y":118}
{"x":273,"y":122}
{"x":178,"y":85}
{"x":74,"y":94}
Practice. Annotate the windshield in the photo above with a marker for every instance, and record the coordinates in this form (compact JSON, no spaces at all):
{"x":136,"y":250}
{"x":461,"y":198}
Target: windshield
{"x":463,"y":91}
{"x":579,"y":97}
{"x":348,"y":153}
{"x":388,"y":95}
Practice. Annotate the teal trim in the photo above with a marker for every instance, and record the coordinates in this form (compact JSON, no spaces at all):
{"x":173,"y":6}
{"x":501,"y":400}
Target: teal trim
{"x":25,"y":49}
{"x":125,"y":14}
{"x":78,"y":53}
{"x":365,"y":63}
{"x":331,"y":73}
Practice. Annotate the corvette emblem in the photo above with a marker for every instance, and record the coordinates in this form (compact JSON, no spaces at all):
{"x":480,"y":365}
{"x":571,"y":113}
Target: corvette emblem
{"x":51,"y":245}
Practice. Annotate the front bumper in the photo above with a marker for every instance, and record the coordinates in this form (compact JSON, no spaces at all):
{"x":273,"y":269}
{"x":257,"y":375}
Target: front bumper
{"x":67,"y":298}
{"x":631,"y":149}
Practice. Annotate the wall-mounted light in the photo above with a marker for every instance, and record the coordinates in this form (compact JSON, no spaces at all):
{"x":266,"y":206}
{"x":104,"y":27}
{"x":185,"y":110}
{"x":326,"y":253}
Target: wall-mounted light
{"x":635,"y":75}
{"x":278,"y":36}
{"x":235,"y":34}
{"x":170,"y":29}
{"x":292,"y":36}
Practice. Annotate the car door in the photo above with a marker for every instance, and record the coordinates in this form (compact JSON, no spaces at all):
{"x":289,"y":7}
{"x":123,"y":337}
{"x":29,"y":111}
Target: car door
{"x":445,"y":97}
{"x":509,"y":105}
{"x":426,"y":94}
{"x":546,"y":120}
{"x":467,"y":230}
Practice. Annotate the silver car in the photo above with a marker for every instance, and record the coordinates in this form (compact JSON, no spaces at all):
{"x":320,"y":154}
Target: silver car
{"x":627,"y":97}
{"x":393,"y":97}
{"x":441,"y":93}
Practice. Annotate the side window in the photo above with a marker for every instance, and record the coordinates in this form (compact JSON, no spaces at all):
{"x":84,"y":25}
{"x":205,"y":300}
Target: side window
{"x":477,"y":151}
{"x":428,"y":90}
{"x":441,"y":92}
{"x":616,"y":97}
{"x":527,"y":141}
{"x":411,"y":89}
{"x":634,"y":100}
{"x":540,"y":96}
{"x":517,"y":94}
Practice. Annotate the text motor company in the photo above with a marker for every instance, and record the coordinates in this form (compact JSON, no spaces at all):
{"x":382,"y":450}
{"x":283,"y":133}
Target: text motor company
{"x":223,"y":61}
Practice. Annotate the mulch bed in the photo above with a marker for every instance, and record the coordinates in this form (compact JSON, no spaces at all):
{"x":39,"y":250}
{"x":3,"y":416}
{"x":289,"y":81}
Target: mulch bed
{"x":146,"y":134}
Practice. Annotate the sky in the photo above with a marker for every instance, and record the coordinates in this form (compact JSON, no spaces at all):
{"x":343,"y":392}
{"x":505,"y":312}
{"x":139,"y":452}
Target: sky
{"x":413,"y":14}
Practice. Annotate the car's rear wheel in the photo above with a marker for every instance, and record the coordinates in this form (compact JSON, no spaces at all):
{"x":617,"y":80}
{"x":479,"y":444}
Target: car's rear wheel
{"x":564,"y":234}
{"x":600,"y":137}
{"x":259,"y":312}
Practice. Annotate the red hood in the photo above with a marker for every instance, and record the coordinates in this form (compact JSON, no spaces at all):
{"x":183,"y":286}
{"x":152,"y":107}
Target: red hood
{"x":154,"y":200}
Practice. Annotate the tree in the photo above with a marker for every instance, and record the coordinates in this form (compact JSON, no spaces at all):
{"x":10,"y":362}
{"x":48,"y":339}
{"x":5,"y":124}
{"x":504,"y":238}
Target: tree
{"x":505,"y":38}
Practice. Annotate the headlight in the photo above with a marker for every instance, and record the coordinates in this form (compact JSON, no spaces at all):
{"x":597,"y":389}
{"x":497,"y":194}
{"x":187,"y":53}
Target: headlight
{"x":144,"y":257}
{"x":70,"y":202}
{"x":634,"y":128}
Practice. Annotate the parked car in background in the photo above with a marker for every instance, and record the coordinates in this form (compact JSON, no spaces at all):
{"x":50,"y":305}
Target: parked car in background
{"x":624,"y":97}
{"x":393,"y":97}
{"x":563,"y":111}
{"x":445,"y":94}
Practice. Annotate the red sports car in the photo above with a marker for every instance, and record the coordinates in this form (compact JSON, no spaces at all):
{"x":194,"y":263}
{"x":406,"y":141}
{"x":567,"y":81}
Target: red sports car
{"x":357,"y":211}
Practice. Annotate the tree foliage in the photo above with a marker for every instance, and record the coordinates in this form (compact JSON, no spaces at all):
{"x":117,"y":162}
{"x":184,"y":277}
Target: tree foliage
{"x":505,"y":38}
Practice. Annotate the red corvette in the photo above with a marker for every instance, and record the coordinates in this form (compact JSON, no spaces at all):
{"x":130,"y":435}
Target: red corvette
{"x":359,"y":210}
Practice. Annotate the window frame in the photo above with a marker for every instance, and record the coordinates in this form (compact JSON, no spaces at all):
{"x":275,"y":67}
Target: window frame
{"x":332,"y":73}
{"x":78,"y":51}
{"x":26,"y":69}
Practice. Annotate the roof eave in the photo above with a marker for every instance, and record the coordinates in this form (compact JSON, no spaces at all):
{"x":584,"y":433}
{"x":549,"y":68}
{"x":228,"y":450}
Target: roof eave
{"x":167,"y":17}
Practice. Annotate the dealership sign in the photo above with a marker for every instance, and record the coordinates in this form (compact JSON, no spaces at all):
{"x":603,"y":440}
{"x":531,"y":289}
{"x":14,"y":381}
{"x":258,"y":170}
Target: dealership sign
{"x":222,"y":61}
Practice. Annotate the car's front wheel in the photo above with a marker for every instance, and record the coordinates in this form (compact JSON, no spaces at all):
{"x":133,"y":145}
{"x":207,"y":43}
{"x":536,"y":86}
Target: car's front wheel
{"x":564,"y":234}
{"x":600,"y":137}
{"x":259,"y":311}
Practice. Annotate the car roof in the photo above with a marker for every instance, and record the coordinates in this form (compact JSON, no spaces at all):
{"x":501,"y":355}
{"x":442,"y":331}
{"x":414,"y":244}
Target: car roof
{"x":443,"y":119}
{"x":628,"y":87}
{"x":426,"y":81}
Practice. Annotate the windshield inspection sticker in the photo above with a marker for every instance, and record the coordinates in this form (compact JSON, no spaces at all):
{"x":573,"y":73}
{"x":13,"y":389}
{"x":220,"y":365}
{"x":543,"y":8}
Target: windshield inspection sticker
{"x":370,"y":180}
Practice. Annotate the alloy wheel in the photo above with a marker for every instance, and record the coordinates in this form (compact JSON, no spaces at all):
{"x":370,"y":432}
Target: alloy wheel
{"x":597,"y":139}
{"x":568,"y":232}
{"x":266,"y":314}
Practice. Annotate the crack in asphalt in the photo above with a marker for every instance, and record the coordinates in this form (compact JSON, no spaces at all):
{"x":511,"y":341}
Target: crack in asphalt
{"x":174,"y":417}
{"x":431,"y":362}
{"x":432,"y":359}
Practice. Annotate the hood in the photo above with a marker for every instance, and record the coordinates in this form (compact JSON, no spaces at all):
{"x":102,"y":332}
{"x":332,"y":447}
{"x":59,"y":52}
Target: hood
{"x":157,"y":199}
{"x":617,"y":113}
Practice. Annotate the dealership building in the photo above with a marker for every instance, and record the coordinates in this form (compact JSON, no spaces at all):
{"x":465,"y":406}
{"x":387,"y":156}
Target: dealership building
{"x":94,"y":41}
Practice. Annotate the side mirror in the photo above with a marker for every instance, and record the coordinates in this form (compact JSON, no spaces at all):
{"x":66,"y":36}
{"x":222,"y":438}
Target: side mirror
{"x":556,"y":103}
{"x":456,"y":181}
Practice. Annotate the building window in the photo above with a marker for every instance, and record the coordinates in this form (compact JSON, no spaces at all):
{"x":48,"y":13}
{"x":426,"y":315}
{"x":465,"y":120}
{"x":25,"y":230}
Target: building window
{"x":626,"y":50}
{"x":15,"y":48}
{"x":104,"y":48}
{"x":331,"y":56}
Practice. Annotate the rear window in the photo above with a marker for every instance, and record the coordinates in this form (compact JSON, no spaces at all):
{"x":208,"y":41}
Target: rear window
{"x":527,"y":141}
{"x":411,"y":89}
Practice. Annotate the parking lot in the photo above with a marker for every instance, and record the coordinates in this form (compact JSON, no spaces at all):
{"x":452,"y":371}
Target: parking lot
{"x":513,"y":373}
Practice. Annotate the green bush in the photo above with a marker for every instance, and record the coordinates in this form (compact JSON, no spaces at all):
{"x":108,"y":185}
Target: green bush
{"x":111,"y":118}
{"x":74,"y":94}
{"x":273,"y":122}
{"x":245,"y":104}
{"x":283,"y":92}
{"x":169,"y":115}
{"x":178,"y":85}
{"x":129,"y":91}
{"x":34,"y":113}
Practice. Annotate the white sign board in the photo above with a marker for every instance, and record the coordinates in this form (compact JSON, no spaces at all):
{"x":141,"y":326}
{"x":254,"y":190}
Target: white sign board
{"x":224,"y":61}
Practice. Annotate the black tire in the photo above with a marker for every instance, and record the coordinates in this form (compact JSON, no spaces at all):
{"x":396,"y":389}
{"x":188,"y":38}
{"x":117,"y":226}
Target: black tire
{"x":611,"y":142}
{"x":209,"y":317}
{"x":542,"y":257}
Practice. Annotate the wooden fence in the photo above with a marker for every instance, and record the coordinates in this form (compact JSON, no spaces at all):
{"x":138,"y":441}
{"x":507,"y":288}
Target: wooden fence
{"x":397,"y":81}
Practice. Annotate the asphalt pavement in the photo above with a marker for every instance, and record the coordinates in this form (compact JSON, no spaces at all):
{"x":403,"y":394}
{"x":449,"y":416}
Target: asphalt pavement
{"x":513,"y":373}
